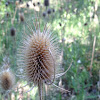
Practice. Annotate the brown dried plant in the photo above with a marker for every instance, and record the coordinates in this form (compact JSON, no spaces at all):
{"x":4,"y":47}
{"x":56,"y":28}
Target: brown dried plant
{"x":7,"y":78}
{"x":38,"y":57}
{"x":7,"y":81}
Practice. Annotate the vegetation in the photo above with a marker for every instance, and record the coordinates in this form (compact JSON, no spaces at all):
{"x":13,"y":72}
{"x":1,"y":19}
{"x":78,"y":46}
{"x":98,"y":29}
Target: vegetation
{"x":76,"y":24}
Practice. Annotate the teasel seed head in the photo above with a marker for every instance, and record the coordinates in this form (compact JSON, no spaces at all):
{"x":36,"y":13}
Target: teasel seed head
{"x":21,"y":16}
{"x":7,"y":80}
{"x":85,"y":24}
{"x":44,"y":14}
{"x":20,"y":1}
{"x":38,"y":56}
{"x":12,"y":31}
{"x":7,"y":14}
{"x":27,"y":5}
{"x":34,"y":4}
{"x":53,"y":10}
{"x":49,"y":11}
{"x":46,"y":3}
{"x":38,"y":3}
{"x":6,"y":4}
{"x":60,"y":24}
{"x":9,"y":1}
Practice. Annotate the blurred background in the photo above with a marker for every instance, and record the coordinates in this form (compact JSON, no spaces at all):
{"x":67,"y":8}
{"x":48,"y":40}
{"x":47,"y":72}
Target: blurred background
{"x":76,"y":23}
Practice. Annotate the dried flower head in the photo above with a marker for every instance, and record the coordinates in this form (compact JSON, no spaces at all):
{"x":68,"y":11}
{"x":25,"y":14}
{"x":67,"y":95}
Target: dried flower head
{"x":20,"y":1}
{"x":60,"y":24}
{"x":39,"y":54}
{"x":46,"y":3}
{"x":7,"y":14}
{"x":27,"y":5}
{"x":9,"y":1}
{"x":53,"y":10}
{"x":34,"y":4}
{"x":21,"y":16}
{"x":12,"y":31}
{"x":37,"y":57}
{"x":6,"y":4}
{"x":49,"y":11}
{"x":7,"y":80}
{"x":38,"y":3}
{"x":44,"y":14}
{"x":85,"y":24}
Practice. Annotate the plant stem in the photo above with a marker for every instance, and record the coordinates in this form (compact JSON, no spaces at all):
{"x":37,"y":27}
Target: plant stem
{"x":40,"y":89}
{"x":92,"y":55}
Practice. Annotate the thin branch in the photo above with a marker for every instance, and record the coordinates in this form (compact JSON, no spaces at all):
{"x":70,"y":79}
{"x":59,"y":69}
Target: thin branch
{"x":60,"y":88}
{"x":12,"y":21}
{"x":61,"y":74}
{"x":92,"y":55}
{"x":30,"y":89}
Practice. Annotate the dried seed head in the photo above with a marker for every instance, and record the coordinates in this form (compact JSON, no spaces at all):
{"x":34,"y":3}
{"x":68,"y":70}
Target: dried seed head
{"x":92,"y":2}
{"x":27,"y":5}
{"x":7,"y":14}
{"x":6,"y":4}
{"x":85,"y":24}
{"x":46,"y":3}
{"x":21,"y":15}
{"x":49,"y":11}
{"x":44,"y":14}
{"x":8,"y":1}
{"x":12,"y":31}
{"x":7,"y":80}
{"x":60,"y":9}
{"x":38,"y":56}
{"x":20,"y":1}
{"x":34,"y":4}
{"x":53,"y":10}
{"x":60,"y":24}
{"x":38,"y":3}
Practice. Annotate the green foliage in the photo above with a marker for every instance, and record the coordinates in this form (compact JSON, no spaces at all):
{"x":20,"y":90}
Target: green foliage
{"x":79,"y":25}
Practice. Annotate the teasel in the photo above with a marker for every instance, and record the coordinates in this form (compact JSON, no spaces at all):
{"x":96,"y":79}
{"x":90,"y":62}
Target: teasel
{"x":49,"y":11}
{"x":85,"y":24}
{"x":6,"y":4}
{"x":12,"y":31}
{"x":34,"y":4}
{"x":38,"y":3}
{"x":60,"y":24}
{"x":7,"y":80}
{"x":27,"y":5}
{"x":44,"y":14}
{"x":46,"y":3}
{"x":7,"y":14}
{"x":53,"y":10}
{"x":20,"y":1}
{"x":9,"y":1}
{"x":21,"y":16}
{"x":38,"y":57}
